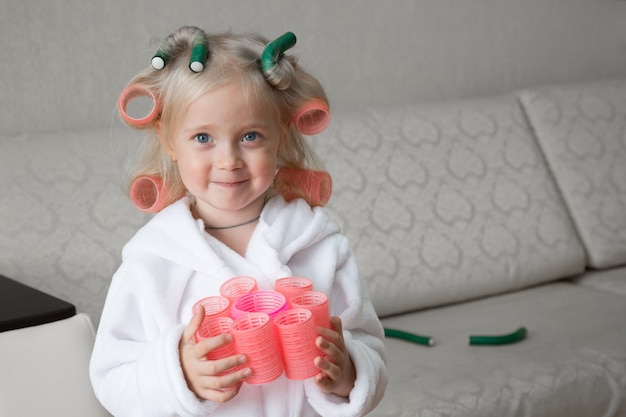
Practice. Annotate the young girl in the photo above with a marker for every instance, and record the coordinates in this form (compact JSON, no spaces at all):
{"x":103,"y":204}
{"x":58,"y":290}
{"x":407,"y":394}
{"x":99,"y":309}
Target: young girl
{"x":230,"y":175}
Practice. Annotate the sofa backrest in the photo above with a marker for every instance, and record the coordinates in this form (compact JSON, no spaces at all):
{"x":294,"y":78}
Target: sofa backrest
{"x":64,"y":214}
{"x":447,"y":202}
{"x":582,"y":130}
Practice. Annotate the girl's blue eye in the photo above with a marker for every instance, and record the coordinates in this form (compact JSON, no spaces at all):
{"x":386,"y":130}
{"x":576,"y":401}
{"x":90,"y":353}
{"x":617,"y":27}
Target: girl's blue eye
{"x":202,"y":138}
{"x":249,"y":137}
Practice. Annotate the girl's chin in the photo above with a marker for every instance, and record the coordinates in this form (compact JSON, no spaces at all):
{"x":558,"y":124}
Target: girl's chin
{"x":222,"y":207}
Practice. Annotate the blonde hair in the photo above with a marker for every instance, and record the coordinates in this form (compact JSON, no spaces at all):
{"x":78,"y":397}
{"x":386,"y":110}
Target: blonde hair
{"x":231,"y":58}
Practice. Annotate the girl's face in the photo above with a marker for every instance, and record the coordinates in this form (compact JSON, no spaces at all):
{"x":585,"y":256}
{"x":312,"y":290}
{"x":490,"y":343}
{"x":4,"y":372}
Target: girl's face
{"x":226,"y":146}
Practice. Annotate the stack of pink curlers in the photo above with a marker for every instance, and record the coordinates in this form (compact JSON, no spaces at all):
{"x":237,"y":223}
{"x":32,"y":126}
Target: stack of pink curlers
{"x":276,"y":330}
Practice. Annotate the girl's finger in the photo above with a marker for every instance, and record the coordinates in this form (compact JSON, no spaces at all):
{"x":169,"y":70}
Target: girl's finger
{"x":329,"y":369}
{"x":328,"y":348}
{"x":222,"y":366}
{"x":206,"y":345}
{"x":194,"y":325}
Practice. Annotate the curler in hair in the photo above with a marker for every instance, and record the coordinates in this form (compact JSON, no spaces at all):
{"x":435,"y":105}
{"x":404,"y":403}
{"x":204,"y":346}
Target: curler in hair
{"x":312,"y":118}
{"x":131,"y":92}
{"x":159,"y":60}
{"x":148,"y":194}
{"x":274,"y":49}
{"x":199,"y":54}
{"x":314,"y":186}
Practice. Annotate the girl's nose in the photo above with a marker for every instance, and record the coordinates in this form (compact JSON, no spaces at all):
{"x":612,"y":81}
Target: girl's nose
{"x":227,"y":157}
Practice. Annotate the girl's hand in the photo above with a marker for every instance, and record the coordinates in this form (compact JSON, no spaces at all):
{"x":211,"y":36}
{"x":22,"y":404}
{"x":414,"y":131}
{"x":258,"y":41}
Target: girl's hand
{"x":201,"y":374}
{"x":337,"y":374}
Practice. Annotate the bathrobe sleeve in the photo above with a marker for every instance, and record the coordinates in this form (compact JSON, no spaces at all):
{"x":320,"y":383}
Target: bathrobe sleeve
{"x":135,"y":367}
{"x":363,"y":335}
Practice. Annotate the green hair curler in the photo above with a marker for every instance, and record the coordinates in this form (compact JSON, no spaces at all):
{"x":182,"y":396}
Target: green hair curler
{"x":409,"y":337}
{"x":159,"y":60}
{"x":199,"y":54}
{"x":505,"y":339}
{"x":274,"y":49}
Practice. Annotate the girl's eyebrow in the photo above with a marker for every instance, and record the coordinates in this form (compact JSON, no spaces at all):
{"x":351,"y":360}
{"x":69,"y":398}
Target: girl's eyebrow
{"x":197,"y":128}
{"x":241,"y":127}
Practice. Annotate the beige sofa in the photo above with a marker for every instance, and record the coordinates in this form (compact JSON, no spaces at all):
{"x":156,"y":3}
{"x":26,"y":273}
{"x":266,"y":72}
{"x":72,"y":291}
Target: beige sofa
{"x":468,"y":217}
{"x":465,"y":217}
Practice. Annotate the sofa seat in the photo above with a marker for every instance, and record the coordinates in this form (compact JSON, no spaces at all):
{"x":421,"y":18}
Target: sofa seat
{"x":572,"y":362}
{"x":611,"y":280}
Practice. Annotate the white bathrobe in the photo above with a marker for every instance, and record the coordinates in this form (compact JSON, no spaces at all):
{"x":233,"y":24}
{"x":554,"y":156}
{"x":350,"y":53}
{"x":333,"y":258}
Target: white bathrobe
{"x":171,"y":263}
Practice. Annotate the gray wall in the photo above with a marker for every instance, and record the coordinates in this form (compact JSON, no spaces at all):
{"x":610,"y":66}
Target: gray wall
{"x":65,"y":61}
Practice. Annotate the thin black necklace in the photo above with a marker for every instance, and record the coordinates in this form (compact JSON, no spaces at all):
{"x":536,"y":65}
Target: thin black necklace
{"x":234,"y":225}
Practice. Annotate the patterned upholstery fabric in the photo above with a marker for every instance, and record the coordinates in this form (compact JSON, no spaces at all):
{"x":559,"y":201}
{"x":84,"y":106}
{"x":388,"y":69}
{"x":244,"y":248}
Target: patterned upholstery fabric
{"x":582,"y":130}
{"x":64,"y":216}
{"x":447,"y":202}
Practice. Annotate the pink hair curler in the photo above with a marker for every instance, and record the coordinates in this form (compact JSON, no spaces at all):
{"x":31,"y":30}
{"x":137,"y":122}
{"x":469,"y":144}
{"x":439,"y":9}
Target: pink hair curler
{"x":214,"y":306}
{"x":215,"y":327}
{"x":238,"y":286}
{"x":314,"y":186}
{"x":148,"y":194}
{"x":268,"y":302}
{"x":290,"y":286}
{"x":131,"y":92}
{"x":254,"y":337}
{"x":317,"y":303}
{"x":296,"y":337}
{"x":313,"y":117}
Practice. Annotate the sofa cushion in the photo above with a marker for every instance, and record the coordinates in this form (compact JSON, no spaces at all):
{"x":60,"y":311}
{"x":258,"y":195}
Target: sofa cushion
{"x":447,"y":202}
{"x":582,"y":130}
{"x":572,"y":362}
{"x":45,"y":370}
{"x":64,"y":216}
